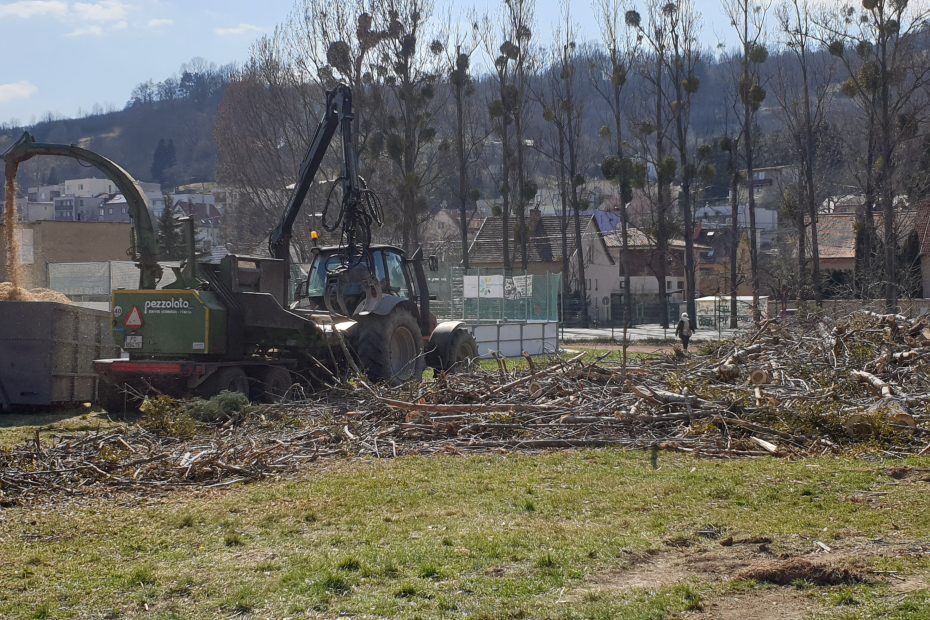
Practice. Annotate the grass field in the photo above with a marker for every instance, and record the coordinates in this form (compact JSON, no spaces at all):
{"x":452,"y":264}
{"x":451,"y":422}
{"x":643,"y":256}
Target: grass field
{"x":16,"y":428}
{"x":585,"y":534}
{"x":591,"y":354}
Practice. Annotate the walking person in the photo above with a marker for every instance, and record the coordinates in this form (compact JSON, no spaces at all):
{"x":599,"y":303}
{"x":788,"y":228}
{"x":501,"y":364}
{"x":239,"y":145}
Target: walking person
{"x":684,"y":330}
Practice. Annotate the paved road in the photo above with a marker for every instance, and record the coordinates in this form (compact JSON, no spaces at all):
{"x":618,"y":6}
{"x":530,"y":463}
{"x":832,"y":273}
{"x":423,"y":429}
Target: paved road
{"x":643,"y":332}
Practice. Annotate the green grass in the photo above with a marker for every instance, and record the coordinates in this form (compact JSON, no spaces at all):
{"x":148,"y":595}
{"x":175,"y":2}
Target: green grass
{"x":478,"y":537}
{"x":605,"y":358}
{"x":16,"y":428}
{"x":618,"y":338}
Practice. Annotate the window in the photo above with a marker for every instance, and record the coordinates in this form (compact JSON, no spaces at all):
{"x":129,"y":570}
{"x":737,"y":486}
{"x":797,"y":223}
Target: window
{"x":378,"y":257}
{"x":319,"y":271}
{"x":681,"y":284}
{"x":397,"y":279}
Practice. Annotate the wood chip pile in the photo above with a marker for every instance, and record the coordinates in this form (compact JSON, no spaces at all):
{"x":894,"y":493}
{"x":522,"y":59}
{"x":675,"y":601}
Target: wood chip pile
{"x":793,"y":389}
{"x":10,"y":292}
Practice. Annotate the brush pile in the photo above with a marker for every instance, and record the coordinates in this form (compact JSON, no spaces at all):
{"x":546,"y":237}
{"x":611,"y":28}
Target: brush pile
{"x":798,"y":388}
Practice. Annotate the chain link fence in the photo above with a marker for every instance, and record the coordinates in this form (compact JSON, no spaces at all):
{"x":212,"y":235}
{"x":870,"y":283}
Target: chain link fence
{"x":94,"y":282}
{"x":482,"y":295}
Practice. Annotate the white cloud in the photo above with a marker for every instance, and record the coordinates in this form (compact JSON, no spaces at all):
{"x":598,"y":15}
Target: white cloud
{"x":86,"y":31}
{"x":237,"y":30}
{"x":159,"y":23}
{"x":89,"y":18}
{"x":98,"y":17}
{"x":17,"y":90}
{"x":34,"y":8}
{"x":105,"y":11}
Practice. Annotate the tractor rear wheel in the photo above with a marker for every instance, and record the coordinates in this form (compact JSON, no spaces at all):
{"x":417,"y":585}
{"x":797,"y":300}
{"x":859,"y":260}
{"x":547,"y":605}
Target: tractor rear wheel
{"x":390,"y":348}
{"x":229,"y":379}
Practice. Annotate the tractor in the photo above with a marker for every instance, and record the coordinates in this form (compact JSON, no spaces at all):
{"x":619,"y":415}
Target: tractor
{"x":239,"y":324}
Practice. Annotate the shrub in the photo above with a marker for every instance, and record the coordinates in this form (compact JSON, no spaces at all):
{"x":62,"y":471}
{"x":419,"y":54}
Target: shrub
{"x":164,"y":415}
{"x":224,"y":407}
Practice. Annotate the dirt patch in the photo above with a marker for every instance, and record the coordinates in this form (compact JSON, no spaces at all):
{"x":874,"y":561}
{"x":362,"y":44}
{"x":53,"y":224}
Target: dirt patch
{"x":666,"y":569}
{"x":773,"y":604}
{"x":757,"y":558}
{"x":909,"y":584}
{"x":919,"y":474}
{"x":786,"y":572}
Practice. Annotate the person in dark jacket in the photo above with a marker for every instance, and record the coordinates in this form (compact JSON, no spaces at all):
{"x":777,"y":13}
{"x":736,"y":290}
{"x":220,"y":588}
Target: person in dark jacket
{"x":684,"y":330}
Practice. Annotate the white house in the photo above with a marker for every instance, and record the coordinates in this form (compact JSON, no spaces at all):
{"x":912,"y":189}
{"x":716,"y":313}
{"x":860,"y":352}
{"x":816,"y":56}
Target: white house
{"x":87,"y":188}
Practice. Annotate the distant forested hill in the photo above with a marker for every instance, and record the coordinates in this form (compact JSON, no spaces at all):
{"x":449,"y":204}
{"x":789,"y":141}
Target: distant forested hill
{"x":164,"y":134}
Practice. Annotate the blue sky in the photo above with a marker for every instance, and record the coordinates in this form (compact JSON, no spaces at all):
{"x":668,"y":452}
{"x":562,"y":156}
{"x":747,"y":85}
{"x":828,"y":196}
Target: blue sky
{"x":69,"y":56}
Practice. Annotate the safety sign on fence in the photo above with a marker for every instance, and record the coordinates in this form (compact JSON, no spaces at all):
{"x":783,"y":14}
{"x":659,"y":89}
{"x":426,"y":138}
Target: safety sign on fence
{"x":498,"y":287}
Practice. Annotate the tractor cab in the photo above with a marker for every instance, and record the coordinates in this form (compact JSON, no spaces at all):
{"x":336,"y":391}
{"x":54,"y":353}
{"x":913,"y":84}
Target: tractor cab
{"x":350,"y":286}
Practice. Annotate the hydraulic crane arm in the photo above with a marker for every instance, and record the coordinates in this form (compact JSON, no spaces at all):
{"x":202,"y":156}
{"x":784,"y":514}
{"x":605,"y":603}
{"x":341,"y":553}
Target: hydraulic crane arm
{"x":145,"y":243}
{"x":337,"y":115}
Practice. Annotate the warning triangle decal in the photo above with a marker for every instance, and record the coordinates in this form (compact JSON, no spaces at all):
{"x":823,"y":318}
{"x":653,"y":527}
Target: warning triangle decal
{"x":134,"y":320}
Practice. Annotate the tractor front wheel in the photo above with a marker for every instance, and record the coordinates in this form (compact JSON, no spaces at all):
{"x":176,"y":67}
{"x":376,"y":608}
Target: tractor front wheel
{"x":457,"y":355}
{"x":390,"y":348}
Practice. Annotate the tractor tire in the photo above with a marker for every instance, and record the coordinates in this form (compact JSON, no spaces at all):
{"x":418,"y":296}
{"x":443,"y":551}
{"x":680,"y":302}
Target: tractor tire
{"x":458,"y":355}
{"x":113,"y":398}
{"x":229,"y":379}
{"x":390,"y":348}
{"x":273,"y":384}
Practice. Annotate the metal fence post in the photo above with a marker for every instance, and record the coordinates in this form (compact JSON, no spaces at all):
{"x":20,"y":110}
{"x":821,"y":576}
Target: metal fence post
{"x":503,"y":299}
{"x":478,"y":303}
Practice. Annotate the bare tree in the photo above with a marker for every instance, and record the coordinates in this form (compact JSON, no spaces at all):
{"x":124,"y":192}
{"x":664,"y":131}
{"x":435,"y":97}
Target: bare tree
{"x":683,"y":22}
{"x":520,"y":27}
{"x":500,"y":110}
{"x":512,"y":64}
{"x":804,"y":113}
{"x":548,"y":93}
{"x":730,"y":143}
{"x":655,"y":33}
{"x":409,"y":60}
{"x":270,"y":109}
{"x":888,"y":76}
{"x":609,"y":77}
{"x":458,"y":67}
{"x":731,"y":146}
{"x":748,"y":18}
{"x":328,"y":43}
{"x":573,"y":110}
{"x":562,"y":108}
{"x":262,"y":131}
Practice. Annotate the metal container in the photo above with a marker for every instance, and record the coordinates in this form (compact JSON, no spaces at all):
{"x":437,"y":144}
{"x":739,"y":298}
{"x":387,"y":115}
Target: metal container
{"x":47,"y":350}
